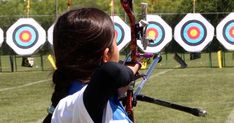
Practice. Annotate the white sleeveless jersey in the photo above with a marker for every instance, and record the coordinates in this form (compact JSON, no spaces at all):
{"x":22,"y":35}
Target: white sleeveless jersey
{"x":71,"y":109}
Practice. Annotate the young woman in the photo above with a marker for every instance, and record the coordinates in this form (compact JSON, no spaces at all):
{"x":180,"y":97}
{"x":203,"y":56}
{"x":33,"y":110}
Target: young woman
{"x":88,"y":78}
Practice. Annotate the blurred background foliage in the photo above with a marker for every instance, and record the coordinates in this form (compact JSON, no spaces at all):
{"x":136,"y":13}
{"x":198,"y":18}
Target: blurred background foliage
{"x":45,"y":12}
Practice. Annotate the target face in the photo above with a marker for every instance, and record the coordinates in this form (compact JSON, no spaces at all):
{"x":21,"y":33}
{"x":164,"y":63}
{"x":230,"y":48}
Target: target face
{"x":50,"y":34}
{"x":25,"y":36}
{"x":1,"y":37}
{"x":122,"y":32}
{"x":157,"y":30}
{"x":225,"y":32}
{"x":193,"y":34}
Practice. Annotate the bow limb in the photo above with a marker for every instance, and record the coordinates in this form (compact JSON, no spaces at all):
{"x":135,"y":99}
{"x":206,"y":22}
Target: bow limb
{"x":128,"y":7}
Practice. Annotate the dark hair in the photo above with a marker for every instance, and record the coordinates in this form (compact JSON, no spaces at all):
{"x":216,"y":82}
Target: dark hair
{"x":79,"y":39}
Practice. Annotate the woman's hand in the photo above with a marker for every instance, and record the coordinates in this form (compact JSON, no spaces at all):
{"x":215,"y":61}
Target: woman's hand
{"x":135,"y":67}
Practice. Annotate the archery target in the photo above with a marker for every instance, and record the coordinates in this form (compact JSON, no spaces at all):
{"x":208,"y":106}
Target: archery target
{"x":192,"y":34}
{"x":158,"y":30}
{"x":122,"y":32}
{"x":25,"y":36}
{"x":225,"y":32}
{"x":50,"y":34}
{"x":1,"y":37}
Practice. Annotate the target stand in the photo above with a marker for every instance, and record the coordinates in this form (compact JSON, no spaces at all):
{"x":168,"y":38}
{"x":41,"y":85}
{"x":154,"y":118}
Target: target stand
{"x":225,"y":32}
{"x":25,"y":36}
{"x":193,"y":32}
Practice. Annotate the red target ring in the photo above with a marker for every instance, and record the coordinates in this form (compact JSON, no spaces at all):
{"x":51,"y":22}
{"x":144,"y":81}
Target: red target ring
{"x":25,"y":36}
{"x":193,"y":32}
{"x":231,"y":32}
{"x":152,"y":33}
{"x":156,"y":32}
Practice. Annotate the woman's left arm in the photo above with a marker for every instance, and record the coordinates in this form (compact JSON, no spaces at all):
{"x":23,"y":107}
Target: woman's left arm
{"x":104,"y":84}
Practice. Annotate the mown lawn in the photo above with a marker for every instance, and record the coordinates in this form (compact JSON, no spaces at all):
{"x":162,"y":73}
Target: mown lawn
{"x":25,"y":95}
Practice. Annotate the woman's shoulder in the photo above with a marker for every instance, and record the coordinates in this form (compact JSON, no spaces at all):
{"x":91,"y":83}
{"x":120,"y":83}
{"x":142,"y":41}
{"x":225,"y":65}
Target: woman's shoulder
{"x":69,"y":100}
{"x":67,"y":106}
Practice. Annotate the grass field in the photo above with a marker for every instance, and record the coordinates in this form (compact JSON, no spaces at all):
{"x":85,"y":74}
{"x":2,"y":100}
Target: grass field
{"x":25,"y":96}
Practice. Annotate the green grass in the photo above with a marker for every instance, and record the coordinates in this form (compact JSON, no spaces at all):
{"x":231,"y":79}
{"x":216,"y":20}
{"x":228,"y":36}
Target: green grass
{"x":24,"y":104}
{"x":208,"y":88}
{"x":197,"y":86}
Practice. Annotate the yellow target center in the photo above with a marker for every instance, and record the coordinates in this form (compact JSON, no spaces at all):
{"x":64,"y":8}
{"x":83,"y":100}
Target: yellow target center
{"x":193,"y":33}
{"x":25,"y":36}
{"x":152,"y":35}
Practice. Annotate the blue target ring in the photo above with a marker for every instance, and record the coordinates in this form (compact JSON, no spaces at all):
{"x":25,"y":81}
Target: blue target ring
{"x":119,"y":31}
{"x":228,"y":32}
{"x":193,"y":32}
{"x":157,"y":31}
{"x":25,"y":42}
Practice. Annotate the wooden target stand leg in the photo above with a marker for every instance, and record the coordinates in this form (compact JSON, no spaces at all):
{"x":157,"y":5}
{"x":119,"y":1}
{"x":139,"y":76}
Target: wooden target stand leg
{"x":11,"y":62}
{"x":210,"y":59}
{"x":224,"y":59}
{"x":232,"y":56}
{"x":180,"y":61}
{"x":0,"y":62}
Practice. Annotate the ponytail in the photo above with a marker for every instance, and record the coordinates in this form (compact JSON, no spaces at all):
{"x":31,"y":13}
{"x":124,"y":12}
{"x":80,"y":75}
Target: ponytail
{"x":60,"y":91}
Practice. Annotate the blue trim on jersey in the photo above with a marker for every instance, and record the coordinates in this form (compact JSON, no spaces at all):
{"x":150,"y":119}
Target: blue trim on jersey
{"x":75,"y":86}
{"x":118,"y":110}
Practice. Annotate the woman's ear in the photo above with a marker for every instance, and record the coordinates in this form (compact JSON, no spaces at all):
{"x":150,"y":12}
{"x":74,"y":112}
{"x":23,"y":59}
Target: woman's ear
{"x":106,"y":55}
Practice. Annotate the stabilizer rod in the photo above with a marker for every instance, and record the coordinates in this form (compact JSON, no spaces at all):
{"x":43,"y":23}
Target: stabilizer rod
{"x":195,"y":111}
